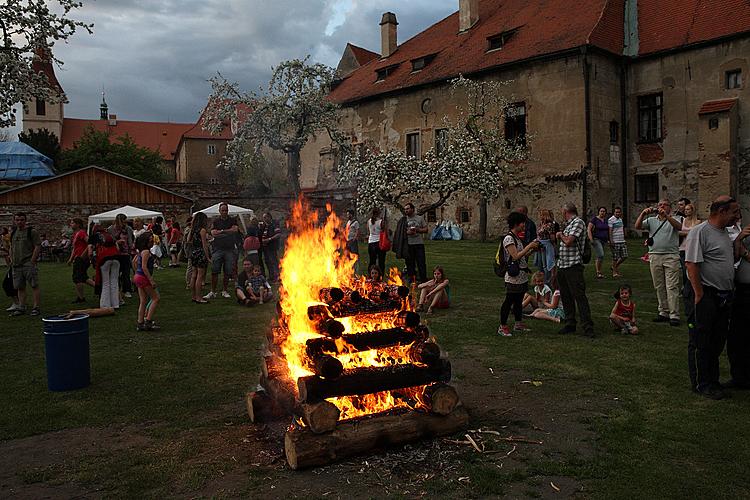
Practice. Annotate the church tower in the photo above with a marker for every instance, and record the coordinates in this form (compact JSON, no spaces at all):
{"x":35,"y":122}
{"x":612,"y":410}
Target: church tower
{"x":39,"y":113}
{"x":103,"y":109}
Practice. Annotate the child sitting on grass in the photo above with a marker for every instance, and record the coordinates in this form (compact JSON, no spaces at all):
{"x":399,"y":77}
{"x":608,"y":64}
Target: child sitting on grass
{"x":435,"y":293}
{"x":550,"y":310}
{"x":542,"y":294}
{"x":252,"y":287}
{"x":623,"y":313}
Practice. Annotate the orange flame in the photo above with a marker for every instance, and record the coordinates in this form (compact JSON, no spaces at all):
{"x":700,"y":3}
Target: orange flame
{"x":313,"y":259}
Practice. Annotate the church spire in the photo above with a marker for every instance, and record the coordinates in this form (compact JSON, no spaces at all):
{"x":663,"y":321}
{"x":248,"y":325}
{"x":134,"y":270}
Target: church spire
{"x":103,"y":115}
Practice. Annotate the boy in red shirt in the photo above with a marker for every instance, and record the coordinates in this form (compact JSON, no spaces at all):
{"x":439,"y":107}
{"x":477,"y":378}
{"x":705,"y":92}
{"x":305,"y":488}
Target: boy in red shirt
{"x":80,"y":258}
{"x":623,"y":313}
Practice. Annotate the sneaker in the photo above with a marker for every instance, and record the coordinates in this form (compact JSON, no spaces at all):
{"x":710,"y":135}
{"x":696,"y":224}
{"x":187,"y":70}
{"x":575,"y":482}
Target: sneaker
{"x":520,"y":326}
{"x":18,"y":312}
{"x":140,"y":327}
{"x":128,"y":295}
{"x":151,"y":326}
{"x":674,"y":322}
{"x":209,"y":296}
{"x":225,"y":294}
{"x":13,"y":307}
{"x":504,"y":331}
{"x":35,"y":311}
{"x":660,"y":319}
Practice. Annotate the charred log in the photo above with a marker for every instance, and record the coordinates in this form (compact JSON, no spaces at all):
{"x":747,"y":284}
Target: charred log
{"x":326,"y":366}
{"x":282,"y":392}
{"x":427,"y":353}
{"x":365,"y":341}
{"x":320,"y":416}
{"x":407,"y":319}
{"x":369,"y":380}
{"x":329,"y":327}
{"x":440,"y":398}
{"x":305,"y":449}
{"x":331,"y":295}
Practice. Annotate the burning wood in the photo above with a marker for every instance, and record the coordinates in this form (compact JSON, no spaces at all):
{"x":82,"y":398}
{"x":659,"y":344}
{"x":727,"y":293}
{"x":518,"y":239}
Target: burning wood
{"x":348,"y":348}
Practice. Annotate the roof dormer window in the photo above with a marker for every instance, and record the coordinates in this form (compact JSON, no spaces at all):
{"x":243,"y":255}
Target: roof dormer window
{"x":383,"y":73}
{"x":420,"y":63}
{"x":497,"y":42}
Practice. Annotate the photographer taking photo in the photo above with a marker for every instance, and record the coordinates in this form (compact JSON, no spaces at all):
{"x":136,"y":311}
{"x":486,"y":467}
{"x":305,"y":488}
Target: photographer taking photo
{"x":664,"y":257}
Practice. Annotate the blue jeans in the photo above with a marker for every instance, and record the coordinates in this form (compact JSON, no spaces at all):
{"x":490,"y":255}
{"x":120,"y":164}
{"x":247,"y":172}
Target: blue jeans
{"x":547,"y":255}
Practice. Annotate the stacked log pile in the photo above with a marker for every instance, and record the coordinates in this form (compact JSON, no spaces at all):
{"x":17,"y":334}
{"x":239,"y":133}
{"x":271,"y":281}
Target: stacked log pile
{"x":417,"y":376}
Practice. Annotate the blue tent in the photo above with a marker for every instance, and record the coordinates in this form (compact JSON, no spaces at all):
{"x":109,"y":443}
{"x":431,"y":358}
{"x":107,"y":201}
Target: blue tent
{"x":21,"y":162}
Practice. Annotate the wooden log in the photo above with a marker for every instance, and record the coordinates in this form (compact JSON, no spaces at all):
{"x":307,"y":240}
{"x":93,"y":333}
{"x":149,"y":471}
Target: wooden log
{"x":427,"y":353}
{"x":305,"y":449}
{"x":320,"y":416}
{"x":274,"y":367}
{"x":345,"y":309}
{"x":326,"y":366}
{"x":369,"y":380}
{"x":331,"y":295}
{"x":407,"y":319}
{"x":277,"y":335}
{"x":365,"y":341}
{"x":329,"y":327}
{"x":262,"y":408}
{"x":96,"y":312}
{"x":440,"y":398}
{"x":282,"y":392}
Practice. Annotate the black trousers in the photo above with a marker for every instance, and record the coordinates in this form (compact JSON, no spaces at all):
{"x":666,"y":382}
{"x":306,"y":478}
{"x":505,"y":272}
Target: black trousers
{"x":417,"y":260}
{"x":513,"y":300}
{"x":738,"y":341}
{"x":376,"y":257}
{"x":573,"y":294}
{"x":708,"y":326}
{"x":126,"y":266}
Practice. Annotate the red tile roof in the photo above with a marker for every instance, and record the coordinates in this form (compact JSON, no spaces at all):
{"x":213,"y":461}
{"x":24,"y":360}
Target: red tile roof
{"x":363,"y":56}
{"x":543,"y":27}
{"x":718,"y":106}
{"x":668,"y":24}
{"x":42,"y":64}
{"x":162,"y":137}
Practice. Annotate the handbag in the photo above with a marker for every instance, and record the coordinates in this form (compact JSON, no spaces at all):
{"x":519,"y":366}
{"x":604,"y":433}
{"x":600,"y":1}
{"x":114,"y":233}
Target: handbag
{"x":650,"y":240}
{"x":385,"y":243}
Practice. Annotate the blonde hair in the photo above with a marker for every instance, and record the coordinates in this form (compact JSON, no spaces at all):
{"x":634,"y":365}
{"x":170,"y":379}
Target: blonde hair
{"x":693,"y":219}
{"x":537,"y":275}
{"x":546,"y":214}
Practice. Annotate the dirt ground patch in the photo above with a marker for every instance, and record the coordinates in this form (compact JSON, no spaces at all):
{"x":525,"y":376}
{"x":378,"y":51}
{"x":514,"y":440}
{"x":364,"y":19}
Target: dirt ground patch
{"x":237,"y":458}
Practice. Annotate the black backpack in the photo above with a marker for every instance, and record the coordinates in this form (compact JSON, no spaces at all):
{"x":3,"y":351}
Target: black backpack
{"x":503,"y":266}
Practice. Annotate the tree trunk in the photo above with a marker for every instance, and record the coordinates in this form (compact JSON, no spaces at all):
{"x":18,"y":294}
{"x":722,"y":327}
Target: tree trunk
{"x":483,"y":219}
{"x":305,"y":449}
{"x":292,"y":171}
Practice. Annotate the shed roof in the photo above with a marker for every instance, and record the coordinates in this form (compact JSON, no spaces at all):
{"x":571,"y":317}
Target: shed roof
{"x":717,"y":106}
{"x":21,"y":162}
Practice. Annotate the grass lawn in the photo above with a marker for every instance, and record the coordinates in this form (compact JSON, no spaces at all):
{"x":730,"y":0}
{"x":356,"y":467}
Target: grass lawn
{"x":165,"y":413}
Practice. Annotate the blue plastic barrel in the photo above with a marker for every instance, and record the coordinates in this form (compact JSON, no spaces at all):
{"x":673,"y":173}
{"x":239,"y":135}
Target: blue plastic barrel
{"x":66,"y":347}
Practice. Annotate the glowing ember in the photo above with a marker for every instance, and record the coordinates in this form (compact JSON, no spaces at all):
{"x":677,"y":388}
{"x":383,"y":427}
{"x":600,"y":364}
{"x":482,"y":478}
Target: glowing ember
{"x":313,"y":260}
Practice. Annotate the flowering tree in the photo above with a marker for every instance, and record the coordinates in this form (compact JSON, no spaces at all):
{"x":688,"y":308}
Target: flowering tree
{"x":473,"y":156}
{"x":29,"y":28}
{"x":293,"y":109}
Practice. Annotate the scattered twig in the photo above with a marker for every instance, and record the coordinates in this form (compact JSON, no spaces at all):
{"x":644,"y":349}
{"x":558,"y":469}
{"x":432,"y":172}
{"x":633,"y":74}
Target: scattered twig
{"x":511,"y":451}
{"x":554,"y":487}
{"x":512,"y":439}
{"x":474,"y":444}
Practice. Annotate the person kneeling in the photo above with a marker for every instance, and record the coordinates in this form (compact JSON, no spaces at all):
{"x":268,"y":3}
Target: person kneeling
{"x":251,"y":286}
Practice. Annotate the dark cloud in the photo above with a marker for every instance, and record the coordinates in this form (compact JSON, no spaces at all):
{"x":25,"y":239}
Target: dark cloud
{"x":153,"y":58}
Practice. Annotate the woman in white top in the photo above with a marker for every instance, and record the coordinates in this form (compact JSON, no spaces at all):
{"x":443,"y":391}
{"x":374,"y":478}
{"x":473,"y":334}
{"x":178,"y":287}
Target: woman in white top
{"x":688,"y":222}
{"x":376,"y":225}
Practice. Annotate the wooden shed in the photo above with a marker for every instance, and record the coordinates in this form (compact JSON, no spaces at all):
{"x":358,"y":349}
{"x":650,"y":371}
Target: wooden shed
{"x":50,"y":203}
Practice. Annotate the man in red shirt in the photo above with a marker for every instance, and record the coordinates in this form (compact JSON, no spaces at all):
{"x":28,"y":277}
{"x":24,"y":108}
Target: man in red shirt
{"x":80,"y":259}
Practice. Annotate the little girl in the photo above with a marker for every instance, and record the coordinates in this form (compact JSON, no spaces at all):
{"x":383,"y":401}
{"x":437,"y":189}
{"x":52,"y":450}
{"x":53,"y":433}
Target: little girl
{"x":542,"y":293}
{"x":258,"y":289}
{"x":623,"y":313}
{"x":434,"y":292}
{"x":143,"y":264}
{"x":551,"y":309}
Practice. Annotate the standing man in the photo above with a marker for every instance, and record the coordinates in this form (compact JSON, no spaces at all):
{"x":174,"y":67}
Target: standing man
{"x":664,"y":258}
{"x":80,"y":259}
{"x":352,"y":237}
{"x":25,"y":245}
{"x":270,"y":246}
{"x":570,"y":272}
{"x":617,"y":241}
{"x":738,"y":341}
{"x":681,"y":204}
{"x":415,"y":228}
{"x":224,"y":230}
{"x":709,"y":257}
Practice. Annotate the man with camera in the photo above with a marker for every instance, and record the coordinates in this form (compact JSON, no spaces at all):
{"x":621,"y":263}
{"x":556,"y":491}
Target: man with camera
{"x":664,"y":258}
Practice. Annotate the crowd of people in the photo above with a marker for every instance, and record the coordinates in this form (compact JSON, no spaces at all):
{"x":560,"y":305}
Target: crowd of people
{"x":706,"y":264}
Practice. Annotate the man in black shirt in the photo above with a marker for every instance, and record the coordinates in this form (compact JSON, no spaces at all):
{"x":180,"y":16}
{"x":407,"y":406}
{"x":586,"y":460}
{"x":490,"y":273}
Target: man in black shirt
{"x":224,"y":231}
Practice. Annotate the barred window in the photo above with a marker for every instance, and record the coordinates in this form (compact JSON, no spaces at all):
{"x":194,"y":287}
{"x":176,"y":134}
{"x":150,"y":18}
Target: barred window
{"x":650,"y":117}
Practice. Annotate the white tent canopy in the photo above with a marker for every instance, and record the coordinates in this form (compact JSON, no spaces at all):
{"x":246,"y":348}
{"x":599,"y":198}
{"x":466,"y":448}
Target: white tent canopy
{"x":213,"y":210}
{"x":131,"y":212}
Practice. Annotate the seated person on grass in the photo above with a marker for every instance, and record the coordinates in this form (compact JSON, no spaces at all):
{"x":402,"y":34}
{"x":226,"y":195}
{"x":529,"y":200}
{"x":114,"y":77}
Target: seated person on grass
{"x":542,"y":293}
{"x":434,"y":292}
{"x":550,"y":310}
{"x":251,"y":286}
{"x":623,"y":313}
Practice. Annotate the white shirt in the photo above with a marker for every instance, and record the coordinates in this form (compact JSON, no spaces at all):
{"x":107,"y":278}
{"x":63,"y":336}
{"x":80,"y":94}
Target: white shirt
{"x":374,"y":230}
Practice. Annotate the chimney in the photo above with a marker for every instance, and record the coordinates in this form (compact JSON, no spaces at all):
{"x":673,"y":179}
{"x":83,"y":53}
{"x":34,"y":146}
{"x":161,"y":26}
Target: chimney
{"x":112,"y":120}
{"x":388,"y":34}
{"x":468,"y":14}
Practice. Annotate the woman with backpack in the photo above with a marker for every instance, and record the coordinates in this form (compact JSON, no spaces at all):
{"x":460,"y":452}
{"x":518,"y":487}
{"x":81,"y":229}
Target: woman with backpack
{"x":107,"y":266}
{"x":516,"y":274}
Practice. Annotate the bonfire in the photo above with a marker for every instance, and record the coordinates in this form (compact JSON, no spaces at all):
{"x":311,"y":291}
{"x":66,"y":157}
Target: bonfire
{"x":348,"y":360}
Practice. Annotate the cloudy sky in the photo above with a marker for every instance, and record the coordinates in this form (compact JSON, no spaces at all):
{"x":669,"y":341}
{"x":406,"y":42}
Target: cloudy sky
{"x":152,"y":58}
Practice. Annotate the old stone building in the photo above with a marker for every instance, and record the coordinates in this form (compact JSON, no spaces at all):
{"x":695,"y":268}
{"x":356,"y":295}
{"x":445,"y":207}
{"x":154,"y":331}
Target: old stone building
{"x":189,"y":153}
{"x":623,"y":101}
